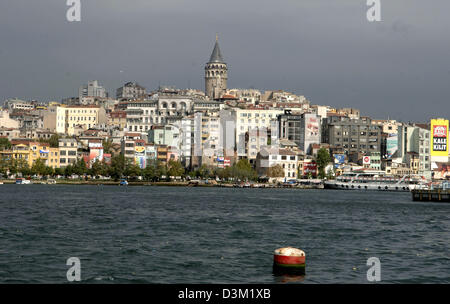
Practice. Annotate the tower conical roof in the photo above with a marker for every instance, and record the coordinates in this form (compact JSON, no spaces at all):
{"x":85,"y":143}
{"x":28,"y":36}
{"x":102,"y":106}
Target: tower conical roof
{"x":216,"y":55}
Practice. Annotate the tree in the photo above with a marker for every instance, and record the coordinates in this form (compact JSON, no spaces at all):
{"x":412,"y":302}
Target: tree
{"x":49,"y":171}
{"x":38,"y":167}
{"x":175,"y":168}
{"x":275,"y":171}
{"x":3,"y":166}
{"x":117,"y":167}
{"x":107,"y":144}
{"x":203,"y":172}
{"x":98,"y":168}
{"x":79,"y":167}
{"x":68,"y":171}
{"x":53,"y":141}
{"x":323,"y":159}
{"x":244,"y":170}
{"x":59,"y":171}
{"x":5,"y":144}
{"x":18,"y":166}
{"x":132,"y":170}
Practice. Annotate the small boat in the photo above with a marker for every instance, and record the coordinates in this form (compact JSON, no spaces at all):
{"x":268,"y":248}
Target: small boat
{"x":123,"y":182}
{"x":22,"y":181}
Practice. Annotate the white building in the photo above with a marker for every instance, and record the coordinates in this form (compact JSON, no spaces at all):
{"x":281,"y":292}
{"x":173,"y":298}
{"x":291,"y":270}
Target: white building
{"x":6,"y":121}
{"x":92,"y":89}
{"x":272,"y":156}
{"x":254,"y":119}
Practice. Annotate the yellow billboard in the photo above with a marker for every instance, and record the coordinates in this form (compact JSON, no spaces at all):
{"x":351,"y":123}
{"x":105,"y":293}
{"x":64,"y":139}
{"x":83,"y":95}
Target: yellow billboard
{"x":439,"y":137}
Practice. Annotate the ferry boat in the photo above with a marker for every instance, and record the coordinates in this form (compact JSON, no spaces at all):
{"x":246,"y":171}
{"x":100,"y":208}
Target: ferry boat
{"x":375,"y":180}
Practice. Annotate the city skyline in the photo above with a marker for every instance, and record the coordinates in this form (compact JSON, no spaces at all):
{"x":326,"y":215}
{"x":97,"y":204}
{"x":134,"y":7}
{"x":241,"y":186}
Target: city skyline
{"x":329,"y":53}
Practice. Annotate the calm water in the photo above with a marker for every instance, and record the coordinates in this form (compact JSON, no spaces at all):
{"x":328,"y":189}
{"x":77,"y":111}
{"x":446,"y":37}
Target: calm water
{"x":217,"y":235}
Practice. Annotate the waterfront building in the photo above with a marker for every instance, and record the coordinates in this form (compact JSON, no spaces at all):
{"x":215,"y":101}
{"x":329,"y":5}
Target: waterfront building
{"x":168,"y":135}
{"x":255,"y":140}
{"x":351,"y":135}
{"x":161,"y":153}
{"x":414,"y":138}
{"x":302,"y":129}
{"x":20,"y":150}
{"x":31,"y":151}
{"x":243,"y":120}
{"x":272,"y":156}
{"x":68,"y":151}
{"x":129,"y":142}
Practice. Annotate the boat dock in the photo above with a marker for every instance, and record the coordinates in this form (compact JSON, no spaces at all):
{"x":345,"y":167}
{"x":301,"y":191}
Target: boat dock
{"x":435,"y":195}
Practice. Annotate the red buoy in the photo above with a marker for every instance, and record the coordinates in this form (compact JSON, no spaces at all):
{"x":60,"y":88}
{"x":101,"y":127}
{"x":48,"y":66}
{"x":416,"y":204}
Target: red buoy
{"x":289,"y":260}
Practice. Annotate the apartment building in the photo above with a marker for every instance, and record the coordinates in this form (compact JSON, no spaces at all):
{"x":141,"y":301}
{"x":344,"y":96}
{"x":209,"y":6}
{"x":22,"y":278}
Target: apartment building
{"x":269,"y":157}
{"x":352,"y":135}
{"x":68,"y":151}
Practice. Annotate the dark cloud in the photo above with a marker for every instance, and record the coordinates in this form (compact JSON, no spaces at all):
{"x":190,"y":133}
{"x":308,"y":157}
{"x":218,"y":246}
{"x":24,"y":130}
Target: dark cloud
{"x":325,"y":50}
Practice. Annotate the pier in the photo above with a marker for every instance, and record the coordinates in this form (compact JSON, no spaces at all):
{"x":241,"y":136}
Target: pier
{"x":435,"y":195}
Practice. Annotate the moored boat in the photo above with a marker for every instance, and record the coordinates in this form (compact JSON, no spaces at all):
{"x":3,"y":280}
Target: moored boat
{"x":22,"y":181}
{"x":375,"y":180}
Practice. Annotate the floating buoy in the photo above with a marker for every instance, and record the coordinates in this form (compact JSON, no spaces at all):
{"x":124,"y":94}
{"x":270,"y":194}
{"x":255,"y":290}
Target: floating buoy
{"x":289,"y":260}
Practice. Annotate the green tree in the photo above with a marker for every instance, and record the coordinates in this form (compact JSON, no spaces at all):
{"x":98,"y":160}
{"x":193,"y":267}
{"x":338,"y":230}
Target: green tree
{"x":53,"y":141}
{"x":49,"y":171}
{"x":38,"y":167}
{"x":132,"y":170}
{"x":117,"y":168}
{"x":203,"y":171}
{"x":175,"y":168}
{"x":243,"y":170}
{"x":275,"y":171}
{"x":5,"y":144}
{"x":3,"y":166}
{"x":98,"y":168}
{"x":68,"y":170}
{"x":79,"y":167}
{"x":323,"y":159}
{"x":59,"y":171}
{"x":107,"y":144}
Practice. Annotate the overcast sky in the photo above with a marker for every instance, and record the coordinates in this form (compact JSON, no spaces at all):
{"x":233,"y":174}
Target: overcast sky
{"x":323,"y":49}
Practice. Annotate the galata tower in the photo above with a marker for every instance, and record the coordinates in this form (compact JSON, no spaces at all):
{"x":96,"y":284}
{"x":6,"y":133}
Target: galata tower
{"x":216,"y":74}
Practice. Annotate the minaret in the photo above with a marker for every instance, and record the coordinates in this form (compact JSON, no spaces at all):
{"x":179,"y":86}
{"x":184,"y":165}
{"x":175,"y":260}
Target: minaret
{"x":216,"y":74}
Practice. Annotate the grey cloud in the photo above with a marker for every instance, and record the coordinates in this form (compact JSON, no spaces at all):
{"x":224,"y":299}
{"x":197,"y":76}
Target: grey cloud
{"x":325,"y":50}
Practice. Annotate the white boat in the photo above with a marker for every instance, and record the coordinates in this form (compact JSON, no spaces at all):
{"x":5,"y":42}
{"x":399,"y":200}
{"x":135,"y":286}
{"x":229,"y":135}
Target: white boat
{"x":375,"y":180}
{"x":22,"y":181}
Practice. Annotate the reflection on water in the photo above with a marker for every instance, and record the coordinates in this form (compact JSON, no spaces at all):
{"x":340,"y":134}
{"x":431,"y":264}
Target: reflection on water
{"x":288,"y":278}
